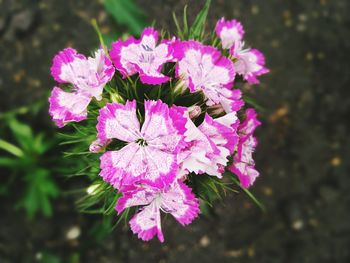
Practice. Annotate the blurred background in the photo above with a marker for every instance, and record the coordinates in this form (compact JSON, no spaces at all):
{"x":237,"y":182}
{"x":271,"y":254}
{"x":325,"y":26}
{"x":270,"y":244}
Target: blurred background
{"x":303,"y":152}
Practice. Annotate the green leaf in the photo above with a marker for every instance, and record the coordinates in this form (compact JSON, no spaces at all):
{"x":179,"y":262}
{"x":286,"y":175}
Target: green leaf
{"x":253,"y":103}
{"x":185,"y":24}
{"x":126,"y":12}
{"x":109,"y":39}
{"x":10,"y":148}
{"x":180,"y":32}
{"x":40,"y":189}
{"x":98,"y":31}
{"x":40,"y":145}
{"x":197,"y":29}
{"x":255,"y":200}
{"x":22,"y":132}
{"x":8,"y":162}
{"x":49,"y":258}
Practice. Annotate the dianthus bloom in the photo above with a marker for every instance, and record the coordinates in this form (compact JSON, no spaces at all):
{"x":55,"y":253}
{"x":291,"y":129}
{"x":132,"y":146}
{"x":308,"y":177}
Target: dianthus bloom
{"x":250,"y":63}
{"x":150,"y":152}
{"x":142,"y":56}
{"x":209,"y":145}
{"x":229,"y":32}
{"x":88,"y":77}
{"x":243,"y":163}
{"x":203,"y":68}
{"x":176,"y":199}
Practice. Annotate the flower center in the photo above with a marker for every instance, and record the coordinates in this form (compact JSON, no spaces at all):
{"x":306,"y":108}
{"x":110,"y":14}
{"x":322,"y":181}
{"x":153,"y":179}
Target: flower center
{"x":142,"y":142}
{"x":147,"y":56}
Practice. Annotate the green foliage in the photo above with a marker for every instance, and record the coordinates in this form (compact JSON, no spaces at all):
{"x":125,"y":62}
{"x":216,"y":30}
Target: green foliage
{"x":197,"y":30}
{"x":250,"y":195}
{"x":40,"y":188}
{"x":49,"y":258}
{"x":126,"y":12}
{"x":25,"y":159}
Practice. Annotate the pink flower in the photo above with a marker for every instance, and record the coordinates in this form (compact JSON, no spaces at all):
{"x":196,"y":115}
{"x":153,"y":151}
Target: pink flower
{"x":250,"y":63}
{"x":88,"y":77}
{"x":243,"y":164}
{"x":209,"y":145}
{"x":142,"y":56}
{"x":202,"y":68}
{"x":229,"y":32}
{"x":150,"y":152}
{"x":176,"y":199}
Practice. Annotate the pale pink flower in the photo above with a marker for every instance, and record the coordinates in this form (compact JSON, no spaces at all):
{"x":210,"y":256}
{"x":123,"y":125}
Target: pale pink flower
{"x":202,"y":68}
{"x":209,"y":145}
{"x":142,"y":56}
{"x":176,"y":199}
{"x":229,"y":32}
{"x":88,"y":77}
{"x":243,"y":163}
{"x":150,"y":152}
{"x":250,"y":63}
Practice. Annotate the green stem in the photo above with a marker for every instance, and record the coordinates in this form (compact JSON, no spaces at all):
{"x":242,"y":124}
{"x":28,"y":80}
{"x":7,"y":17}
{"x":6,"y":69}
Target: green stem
{"x":11,"y":148}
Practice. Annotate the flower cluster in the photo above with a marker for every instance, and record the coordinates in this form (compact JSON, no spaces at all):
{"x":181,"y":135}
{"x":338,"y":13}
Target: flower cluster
{"x":169,"y":134}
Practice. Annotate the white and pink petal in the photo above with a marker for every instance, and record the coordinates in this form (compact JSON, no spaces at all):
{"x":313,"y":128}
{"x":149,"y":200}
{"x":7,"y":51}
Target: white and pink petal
{"x":248,"y":126}
{"x":65,"y":57}
{"x":179,"y":201}
{"x":250,"y":63}
{"x":142,"y":56}
{"x":146,"y":224}
{"x":67,"y":106}
{"x":246,"y":173}
{"x":118,"y":121}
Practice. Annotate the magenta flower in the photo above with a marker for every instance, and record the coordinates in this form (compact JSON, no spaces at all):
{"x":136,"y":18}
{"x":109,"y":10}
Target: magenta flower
{"x":176,"y":199}
{"x":142,"y":56}
{"x":229,"y":32}
{"x":250,"y":63}
{"x":243,"y":163}
{"x":202,"y":68}
{"x":88,"y":77}
{"x":209,"y":146}
{"x":149,"y":155}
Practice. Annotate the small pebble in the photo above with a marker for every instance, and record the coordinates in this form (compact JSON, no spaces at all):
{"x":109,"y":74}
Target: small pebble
{"x":73,"y":233}
{"x":309,"y":56}
{"x":298,"y":224}
{"x":38,"y":256}
{"x":251,"y":251}
{"x":301,"y":27}
{"x":267,"y":191}
{"x":336,"y":161}
{"x":302,"y":17}
{"x":205,"y":241}
{"x":255,"y":9}
{"x":234,"y":253}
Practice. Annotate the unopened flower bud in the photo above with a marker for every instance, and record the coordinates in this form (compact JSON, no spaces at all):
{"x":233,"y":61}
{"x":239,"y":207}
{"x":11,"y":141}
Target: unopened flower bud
{"x":194,"y":111}
{"x":180,"y":87}
{"x":98,"y":146}
{"x":115,"y":97}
